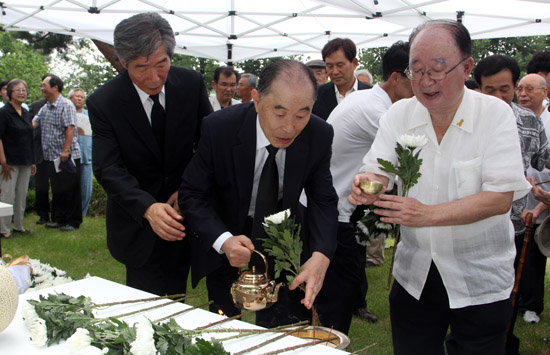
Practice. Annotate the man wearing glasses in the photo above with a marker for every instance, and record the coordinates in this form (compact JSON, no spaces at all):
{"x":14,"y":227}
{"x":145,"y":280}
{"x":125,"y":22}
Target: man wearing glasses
{"x":454,"y":265}
{"x":224,"y":85}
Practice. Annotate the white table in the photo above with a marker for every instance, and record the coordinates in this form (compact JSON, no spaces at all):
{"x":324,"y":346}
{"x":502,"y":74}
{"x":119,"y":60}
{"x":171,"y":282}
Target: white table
{"x":5,"y":209}
{"x":15,"y":339}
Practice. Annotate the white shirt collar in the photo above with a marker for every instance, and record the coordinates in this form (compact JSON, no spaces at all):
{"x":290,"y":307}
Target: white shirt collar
{"x":261,"y":139}
{"x":143,"y":96}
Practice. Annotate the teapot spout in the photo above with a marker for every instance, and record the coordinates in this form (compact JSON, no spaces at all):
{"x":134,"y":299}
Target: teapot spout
{"x":273,"y":294}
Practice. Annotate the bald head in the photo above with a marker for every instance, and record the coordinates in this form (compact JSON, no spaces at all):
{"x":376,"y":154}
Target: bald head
{"x":531,"y":92}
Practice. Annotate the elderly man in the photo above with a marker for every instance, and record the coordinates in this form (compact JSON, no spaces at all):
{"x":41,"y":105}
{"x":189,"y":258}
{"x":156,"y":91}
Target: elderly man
{"x":454,"y":266}
{"x":355,"y":122}
{"x":247,"y":83}
{"x":364,"y":76}
{"x":254,"y":159}
{"x":57,"y":120}
{"x":532,"y":93}
{"x":78,"y":97}
{"x":224,"y":85}
{"x":319,"y":69}
{"x":339,"y":57}
{"x":146,"y":124}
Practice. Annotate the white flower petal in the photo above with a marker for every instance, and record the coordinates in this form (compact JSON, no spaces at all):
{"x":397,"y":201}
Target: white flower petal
{"x":79,"y":340}
{"x":279,"y":217}
{"x":144,"y":343}
{"x":412,"y":141}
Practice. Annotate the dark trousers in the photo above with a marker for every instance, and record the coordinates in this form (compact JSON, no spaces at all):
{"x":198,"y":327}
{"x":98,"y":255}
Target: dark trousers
{"x":531,"y":287}
{"x":166,"y":270}
{"x":66,"y":198}
{"x":42,"y":186}
{"x":420,"y":326}
{"x":338,"y":298}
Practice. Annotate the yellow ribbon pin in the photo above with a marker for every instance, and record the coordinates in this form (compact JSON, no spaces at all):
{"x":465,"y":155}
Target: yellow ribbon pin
{"x":459,"y":124}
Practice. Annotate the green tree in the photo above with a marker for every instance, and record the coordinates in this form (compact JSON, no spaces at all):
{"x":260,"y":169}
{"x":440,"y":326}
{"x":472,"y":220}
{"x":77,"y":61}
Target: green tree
{"x":371,"y":59}
{"x":18,"y":60}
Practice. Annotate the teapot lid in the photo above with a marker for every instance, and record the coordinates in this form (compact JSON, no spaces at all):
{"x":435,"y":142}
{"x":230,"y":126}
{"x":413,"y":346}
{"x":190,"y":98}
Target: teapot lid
{"x":250,"y":277}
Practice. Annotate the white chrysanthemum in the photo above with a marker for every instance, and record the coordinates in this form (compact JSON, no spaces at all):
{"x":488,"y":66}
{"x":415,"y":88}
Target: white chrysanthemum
{"x":39,"y":335}
{"x":278,"y":218}
{"x":361,"y":242}
{"x":144,"y":343}
{"x":92,"y":350}
{"x":412,"y":141}
{"x":382,"y":225}
{"x":29,"y":314}
{"x":79,"y":340}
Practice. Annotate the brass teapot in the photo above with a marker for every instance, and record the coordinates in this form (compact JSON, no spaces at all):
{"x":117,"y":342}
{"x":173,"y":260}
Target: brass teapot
{"x":254,"y":291}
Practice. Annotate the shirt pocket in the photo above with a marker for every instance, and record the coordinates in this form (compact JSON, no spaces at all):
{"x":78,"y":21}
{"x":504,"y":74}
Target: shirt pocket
{"x":465,"y":178}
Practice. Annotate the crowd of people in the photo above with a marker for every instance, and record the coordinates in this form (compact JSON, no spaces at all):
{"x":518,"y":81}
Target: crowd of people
{"x":190,"y":177}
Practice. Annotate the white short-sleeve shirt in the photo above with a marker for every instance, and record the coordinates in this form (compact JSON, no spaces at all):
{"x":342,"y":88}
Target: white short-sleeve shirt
{"x":479,"y":152}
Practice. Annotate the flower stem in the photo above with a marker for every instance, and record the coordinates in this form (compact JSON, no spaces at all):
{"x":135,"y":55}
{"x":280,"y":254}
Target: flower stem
{"x":397,"y":238}
{"x":310,"y":343}
{"x":238,"y":316}
{"x":178,"y":295}
{"x":148,"y":309}
{"x":269,"y":341}
{"x":180,"y":312}
{"x":364,"y":349}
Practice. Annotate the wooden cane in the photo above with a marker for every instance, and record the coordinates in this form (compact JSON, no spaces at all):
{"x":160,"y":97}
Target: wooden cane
{"x":526,"y":239}
{"x":397,"y":238}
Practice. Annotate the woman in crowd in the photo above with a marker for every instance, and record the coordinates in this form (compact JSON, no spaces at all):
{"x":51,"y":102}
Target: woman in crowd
{"x":16,"y":156}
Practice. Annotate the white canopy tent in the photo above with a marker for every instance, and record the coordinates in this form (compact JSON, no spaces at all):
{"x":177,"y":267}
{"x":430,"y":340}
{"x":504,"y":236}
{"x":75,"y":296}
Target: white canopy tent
{"x":236,"y":30}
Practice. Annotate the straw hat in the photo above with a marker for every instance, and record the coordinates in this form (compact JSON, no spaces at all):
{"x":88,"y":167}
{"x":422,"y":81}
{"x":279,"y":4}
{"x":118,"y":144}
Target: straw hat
{"x":542,"y":237}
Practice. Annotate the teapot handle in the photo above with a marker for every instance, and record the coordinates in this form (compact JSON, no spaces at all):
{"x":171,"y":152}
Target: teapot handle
{"x":265,"y":261}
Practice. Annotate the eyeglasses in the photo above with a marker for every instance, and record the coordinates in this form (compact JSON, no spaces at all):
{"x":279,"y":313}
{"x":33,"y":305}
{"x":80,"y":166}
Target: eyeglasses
{"x":19,"y":90}
{"x":528,"y":89}
{"x":432,"y":73}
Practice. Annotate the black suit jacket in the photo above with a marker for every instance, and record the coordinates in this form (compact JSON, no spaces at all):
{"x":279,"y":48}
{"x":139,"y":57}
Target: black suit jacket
{"x":127,"y":160}
{"x":326,"y":99}
{"x":37,"y":132}
{"x":217,"y":184}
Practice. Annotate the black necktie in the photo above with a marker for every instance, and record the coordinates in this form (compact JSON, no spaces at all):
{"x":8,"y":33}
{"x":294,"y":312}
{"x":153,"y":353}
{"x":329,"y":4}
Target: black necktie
{"x":268,"y":193}
{"x":158,"y":121}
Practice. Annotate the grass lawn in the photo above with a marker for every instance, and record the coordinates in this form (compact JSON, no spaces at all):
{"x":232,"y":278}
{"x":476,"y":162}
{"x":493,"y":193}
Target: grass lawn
{"x":85,"y":251}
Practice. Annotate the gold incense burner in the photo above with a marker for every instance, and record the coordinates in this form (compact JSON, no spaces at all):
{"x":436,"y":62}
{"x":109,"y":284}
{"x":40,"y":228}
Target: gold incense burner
{"x":254,"y":291}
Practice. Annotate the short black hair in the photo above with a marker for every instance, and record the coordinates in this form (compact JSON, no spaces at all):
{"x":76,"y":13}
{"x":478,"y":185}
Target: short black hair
{"x":347,"y":45}
{"x":540,"y":63}
{"x":54,"y":81}
{"x":3,"y":83}
{"x":396,"y":59}
{"x":471,"y":84}
{"x":227,"y":71}
{"x":292,"y":69}
{"x":494,"y":64}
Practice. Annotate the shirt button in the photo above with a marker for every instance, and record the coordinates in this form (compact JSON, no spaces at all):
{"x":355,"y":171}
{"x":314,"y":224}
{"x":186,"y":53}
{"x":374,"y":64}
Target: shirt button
{"x":436,"y":187}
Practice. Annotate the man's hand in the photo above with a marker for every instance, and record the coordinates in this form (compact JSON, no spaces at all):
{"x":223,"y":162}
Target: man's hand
{"x":165,"y":221}
{"x":313,"y":274}
{"x":6,"y":171}
{"x":238,"y":250}
{"x":64,"y":156}
{"x":403,"y":210}
{"x":173,"y":201}
{"x":33,"y":169}
{"x":538,"y":192}
{"x":357,"y":196}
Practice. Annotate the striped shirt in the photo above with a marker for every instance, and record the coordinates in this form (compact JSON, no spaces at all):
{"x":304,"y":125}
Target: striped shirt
{"x":54,"y":120}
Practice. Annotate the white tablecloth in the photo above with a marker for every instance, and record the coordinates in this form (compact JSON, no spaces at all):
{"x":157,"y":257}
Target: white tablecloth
{"x":15,"y":339}
{"x":5,"y":209}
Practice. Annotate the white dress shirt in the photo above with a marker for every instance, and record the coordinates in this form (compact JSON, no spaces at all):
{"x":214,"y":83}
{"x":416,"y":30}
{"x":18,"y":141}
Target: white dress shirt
{"x":261,"y":156}
{"x":340,"y":97}
{"x":147,"y":102}
{"x":479,"y":152}
{"x":355,"y":123}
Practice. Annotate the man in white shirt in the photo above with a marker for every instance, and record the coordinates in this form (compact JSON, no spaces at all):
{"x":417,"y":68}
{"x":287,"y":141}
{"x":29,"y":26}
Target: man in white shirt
{"x":224,"y":85}
{"x":355,"y":123}
{"x":454,"y":266}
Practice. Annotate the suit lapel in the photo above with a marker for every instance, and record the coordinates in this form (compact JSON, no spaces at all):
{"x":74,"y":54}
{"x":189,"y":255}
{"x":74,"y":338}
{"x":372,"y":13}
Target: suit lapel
{"x":135,"y":114}
{"x":244,"y":156}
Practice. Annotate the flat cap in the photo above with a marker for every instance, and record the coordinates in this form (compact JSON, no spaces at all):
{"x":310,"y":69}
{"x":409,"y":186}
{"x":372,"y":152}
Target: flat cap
{"x":316,"y":63}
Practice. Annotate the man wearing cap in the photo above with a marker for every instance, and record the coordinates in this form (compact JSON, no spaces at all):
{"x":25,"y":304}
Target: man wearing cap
{"x":339,"y":57}
{"x":319,"y":69}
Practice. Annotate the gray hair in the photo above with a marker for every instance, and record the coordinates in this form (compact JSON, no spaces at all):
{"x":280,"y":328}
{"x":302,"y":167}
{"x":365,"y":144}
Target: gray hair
{"x":252,"y":80}
{"x":141,"y":34}
{"x":364,"y":72}
{"x":286,"y":69}
{"x":460,"y":34}
{"x":73,"y":91}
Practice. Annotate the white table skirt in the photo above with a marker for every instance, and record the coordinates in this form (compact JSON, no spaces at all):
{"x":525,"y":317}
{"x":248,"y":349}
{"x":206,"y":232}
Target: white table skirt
{"x":15,"y":339}
{"x":5,"y":209}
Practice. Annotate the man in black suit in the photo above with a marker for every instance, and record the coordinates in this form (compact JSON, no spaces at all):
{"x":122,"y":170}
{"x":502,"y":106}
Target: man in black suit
{"x":219,"y":191}
{"x":339,"y":57}
{"x":146,"y":123}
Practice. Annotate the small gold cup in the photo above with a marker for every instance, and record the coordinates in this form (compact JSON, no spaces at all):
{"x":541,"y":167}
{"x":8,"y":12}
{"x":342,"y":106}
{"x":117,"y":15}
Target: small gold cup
{"x":371,"y":187}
